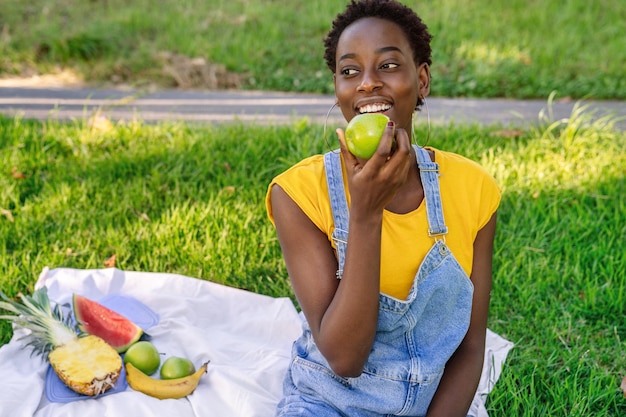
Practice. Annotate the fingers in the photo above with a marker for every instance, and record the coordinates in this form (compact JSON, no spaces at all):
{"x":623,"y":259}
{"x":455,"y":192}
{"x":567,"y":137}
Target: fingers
{"x":342,"y":138}
{"x":386,"y":145}
{"x":403,"y":143}
{"x":403,"y":155}
{"x":394,"y":149}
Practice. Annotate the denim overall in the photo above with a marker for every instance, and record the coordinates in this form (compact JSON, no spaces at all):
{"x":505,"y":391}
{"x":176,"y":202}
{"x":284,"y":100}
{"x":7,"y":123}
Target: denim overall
{"x":415,"y":337}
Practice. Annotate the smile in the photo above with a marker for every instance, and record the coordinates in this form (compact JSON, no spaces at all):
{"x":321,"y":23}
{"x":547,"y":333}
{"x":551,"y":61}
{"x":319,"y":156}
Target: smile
{"x":374,"y":108}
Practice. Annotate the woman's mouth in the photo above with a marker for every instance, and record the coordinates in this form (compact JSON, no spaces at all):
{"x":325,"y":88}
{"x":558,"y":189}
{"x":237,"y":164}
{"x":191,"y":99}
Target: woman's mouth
{"x":374,"y":108}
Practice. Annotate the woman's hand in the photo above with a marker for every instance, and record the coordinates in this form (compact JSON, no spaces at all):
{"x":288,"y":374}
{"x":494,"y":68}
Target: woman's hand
{"x":373,"y":183}
{"x":343,"y":315}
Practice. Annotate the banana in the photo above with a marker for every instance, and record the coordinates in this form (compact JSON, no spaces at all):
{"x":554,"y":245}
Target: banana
{"x":163,"y":388}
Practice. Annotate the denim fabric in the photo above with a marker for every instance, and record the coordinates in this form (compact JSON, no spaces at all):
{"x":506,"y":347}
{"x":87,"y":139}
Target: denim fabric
{"x":415,"y":337}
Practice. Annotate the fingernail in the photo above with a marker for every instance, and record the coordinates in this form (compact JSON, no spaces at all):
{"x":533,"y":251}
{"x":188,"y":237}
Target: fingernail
{"x":390,"y":123}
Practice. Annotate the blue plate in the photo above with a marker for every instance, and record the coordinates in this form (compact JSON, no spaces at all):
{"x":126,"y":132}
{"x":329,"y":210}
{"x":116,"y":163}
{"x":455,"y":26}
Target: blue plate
{"x":132,"y":309}
{"x":58,"y":392}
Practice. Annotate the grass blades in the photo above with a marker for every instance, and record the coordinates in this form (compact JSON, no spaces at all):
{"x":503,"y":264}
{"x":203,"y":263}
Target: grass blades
{"x":189,"y":199}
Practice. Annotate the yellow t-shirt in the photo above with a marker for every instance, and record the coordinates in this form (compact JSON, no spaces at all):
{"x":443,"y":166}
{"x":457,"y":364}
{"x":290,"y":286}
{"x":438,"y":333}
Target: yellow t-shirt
{"x":470,"y":196}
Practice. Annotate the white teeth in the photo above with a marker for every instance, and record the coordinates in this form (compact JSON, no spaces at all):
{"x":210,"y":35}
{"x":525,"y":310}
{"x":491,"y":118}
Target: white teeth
{"x":374,"y":108}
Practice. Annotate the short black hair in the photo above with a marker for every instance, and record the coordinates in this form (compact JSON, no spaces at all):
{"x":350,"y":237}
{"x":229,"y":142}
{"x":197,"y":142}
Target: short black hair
{"x":412,"y":25}
{"x":415,"y":29}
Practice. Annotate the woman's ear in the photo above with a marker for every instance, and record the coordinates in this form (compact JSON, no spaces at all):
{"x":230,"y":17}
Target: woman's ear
{"x":424,"y":79}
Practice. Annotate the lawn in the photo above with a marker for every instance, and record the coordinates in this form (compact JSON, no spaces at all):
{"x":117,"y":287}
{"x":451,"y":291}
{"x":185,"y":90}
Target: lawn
{"x":483,"y":48}
{"x":188,"y":199}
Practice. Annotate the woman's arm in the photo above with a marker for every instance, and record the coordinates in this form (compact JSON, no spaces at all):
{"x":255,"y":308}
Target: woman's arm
{"x":462,"y":374}
{"x":343,"y":315}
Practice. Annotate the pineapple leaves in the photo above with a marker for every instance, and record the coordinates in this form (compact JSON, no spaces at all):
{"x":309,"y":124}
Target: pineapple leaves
{"x":48,"y":326}
{"x":8,"y":305}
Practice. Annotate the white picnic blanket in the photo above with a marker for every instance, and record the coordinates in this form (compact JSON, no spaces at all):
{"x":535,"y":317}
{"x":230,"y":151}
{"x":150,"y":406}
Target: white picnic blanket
{"x":246,"y":336}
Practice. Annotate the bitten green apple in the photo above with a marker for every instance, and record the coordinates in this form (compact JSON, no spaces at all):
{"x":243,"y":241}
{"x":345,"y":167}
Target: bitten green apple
{"x":364,"y":132}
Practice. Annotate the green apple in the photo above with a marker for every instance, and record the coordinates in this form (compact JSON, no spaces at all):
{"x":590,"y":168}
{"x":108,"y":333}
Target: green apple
{"x":176,"y":367}
{"x":364,"y":132}
{"x":144,"y":356}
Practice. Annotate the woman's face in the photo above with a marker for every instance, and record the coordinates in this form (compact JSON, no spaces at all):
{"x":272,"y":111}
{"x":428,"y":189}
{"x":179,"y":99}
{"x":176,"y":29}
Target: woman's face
{"x":376,"y":72}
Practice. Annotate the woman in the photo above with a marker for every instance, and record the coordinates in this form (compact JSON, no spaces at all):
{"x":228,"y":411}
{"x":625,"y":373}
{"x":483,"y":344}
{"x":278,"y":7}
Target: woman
{"x":396,"y":309}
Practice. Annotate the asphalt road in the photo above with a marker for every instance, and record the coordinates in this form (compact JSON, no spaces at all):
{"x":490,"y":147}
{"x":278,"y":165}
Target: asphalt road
{"x":263,"y":107}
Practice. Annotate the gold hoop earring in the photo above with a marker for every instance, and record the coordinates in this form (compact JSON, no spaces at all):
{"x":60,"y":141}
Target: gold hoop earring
{"x":325,"y":123}
{"x":427,"y":124}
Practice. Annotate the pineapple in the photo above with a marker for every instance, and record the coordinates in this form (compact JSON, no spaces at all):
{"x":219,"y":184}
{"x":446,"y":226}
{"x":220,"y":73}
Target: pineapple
{"x":85,"y":363}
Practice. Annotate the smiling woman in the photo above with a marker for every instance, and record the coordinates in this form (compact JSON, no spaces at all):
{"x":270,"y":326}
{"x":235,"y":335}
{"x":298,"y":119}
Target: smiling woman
{"x":395,"y":294}
{"x":374,"y":52}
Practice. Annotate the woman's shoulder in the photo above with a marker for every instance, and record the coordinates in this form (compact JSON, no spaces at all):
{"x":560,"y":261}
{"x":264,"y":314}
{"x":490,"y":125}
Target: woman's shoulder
{"x":305,"y":183}
{"x":305,"y":180}
{"x":307,"y":169}
{"x":314,"y":163}
{"x":453,"y":159}
{"x":457,"y":164}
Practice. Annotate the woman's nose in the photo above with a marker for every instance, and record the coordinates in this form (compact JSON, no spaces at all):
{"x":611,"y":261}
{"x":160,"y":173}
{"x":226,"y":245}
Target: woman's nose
{"x":369,"y":81}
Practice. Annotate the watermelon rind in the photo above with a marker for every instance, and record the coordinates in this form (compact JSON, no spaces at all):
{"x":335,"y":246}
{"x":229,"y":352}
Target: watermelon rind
{"x":95,"y":319}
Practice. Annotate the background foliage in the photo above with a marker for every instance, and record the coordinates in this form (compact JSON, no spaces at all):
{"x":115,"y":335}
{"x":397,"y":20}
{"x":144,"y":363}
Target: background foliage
{"x":482,"y":48}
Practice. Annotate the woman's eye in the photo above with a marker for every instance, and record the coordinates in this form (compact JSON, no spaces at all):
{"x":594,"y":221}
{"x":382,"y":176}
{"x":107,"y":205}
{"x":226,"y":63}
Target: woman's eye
{"x":349,"y":71}
{"x":389,"y":65}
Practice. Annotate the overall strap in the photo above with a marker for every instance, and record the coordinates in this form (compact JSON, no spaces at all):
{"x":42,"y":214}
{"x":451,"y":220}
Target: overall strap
{"x":338,"y":205}
{"x":429,"y":173}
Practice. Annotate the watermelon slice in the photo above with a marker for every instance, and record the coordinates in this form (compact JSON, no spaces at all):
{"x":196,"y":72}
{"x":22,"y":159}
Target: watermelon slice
{"x":95,"y":319}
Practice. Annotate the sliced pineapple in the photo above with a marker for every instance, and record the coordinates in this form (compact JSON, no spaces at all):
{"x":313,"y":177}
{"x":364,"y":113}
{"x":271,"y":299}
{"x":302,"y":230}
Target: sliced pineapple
{"x":87,"y":365}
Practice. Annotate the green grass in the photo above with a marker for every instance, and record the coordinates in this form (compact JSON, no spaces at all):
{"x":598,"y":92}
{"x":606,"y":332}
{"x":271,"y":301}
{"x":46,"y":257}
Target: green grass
{"x":484,"y":48}
{"x":189,"y":199}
